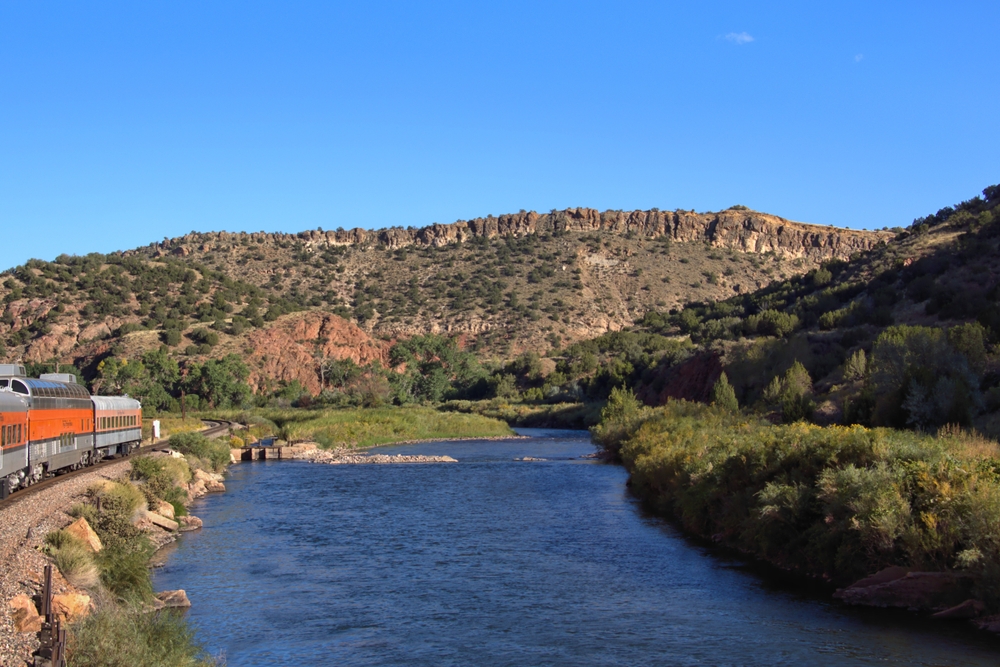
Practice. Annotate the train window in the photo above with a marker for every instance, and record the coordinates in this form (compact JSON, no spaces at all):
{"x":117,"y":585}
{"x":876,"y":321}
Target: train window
{"x":18,"y":387}
{"x":3,"y":436}
{"x":4,"y":383}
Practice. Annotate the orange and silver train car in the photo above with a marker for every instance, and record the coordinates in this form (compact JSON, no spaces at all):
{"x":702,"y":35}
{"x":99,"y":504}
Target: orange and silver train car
{"x":118,"y":424}
{"x":64,"y":427}
{"x":13,"y":434}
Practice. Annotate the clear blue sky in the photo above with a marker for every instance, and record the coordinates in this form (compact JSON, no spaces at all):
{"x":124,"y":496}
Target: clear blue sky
{"x":123,"y":123}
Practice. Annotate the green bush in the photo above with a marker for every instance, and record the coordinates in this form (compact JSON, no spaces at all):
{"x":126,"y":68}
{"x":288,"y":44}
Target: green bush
{"x":127,"y":637}
{"x":125,"y":571}
{"x":837,"y":502}
{"x":215,"y":452}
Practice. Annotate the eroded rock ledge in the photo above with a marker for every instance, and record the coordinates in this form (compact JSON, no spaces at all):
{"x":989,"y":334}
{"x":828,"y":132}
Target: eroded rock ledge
{"x":738,"y":228}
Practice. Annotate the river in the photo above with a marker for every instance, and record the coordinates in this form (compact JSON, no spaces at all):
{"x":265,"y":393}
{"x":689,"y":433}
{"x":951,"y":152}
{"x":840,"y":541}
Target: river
{"x":492,"y":561}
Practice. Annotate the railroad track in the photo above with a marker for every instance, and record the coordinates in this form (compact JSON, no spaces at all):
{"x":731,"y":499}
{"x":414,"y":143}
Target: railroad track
{"x":214,"y":430}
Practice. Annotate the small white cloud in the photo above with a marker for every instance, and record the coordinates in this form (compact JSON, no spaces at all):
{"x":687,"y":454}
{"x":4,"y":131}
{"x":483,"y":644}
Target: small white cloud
{"x":858,"y":58}
{"x":739,"y":38}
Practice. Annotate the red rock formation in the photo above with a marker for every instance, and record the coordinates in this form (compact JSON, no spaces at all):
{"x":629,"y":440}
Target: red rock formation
{"x":294,"y":347}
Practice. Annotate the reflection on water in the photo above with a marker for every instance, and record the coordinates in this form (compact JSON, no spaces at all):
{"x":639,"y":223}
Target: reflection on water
{"x":492,"y":561}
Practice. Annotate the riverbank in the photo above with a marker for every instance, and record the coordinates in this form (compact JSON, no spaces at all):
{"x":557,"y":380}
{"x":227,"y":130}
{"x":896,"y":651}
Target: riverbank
{"x":99,"y":530}
{"x":837,"y":503}
{"x":363,"y":427}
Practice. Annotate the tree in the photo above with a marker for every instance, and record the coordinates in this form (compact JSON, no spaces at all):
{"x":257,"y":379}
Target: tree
{"x":221,"y":382}
{"x":724,"y":396}
{"x":856,"y":366}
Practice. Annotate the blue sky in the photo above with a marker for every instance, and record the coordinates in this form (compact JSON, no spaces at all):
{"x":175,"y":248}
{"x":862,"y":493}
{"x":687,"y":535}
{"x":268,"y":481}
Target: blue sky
{"x":123,"y":123}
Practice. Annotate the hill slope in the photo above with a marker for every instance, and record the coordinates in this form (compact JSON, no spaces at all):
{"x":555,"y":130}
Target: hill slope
{"x":905,"y":336}
{"x":506,"y":284}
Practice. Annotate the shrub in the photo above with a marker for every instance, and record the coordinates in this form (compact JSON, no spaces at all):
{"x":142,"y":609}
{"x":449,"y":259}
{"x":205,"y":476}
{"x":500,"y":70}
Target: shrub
{"x":125,"y":571}
{"x":125,"y":637}
{"x":72,"y":558}
{"x":839,"y":502}
{"x":85,"y":510}
{"x":215,"y":452}
{"x":77,"y":565}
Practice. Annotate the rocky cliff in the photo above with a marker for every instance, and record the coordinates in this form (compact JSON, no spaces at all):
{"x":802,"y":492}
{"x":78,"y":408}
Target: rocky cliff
{"x":736,"y":228}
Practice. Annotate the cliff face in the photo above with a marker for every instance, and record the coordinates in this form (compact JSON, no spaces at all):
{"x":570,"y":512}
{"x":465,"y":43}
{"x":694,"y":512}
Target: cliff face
{"x":740,"y":229}
{"x":295,"y":346}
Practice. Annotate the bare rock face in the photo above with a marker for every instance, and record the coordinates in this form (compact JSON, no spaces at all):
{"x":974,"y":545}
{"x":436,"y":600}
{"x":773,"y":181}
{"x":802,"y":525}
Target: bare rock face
{"x":164,"y":509}
{"x":737,"y":228}
{"x":70,"y":607}
{"x":909,"y":590}
{"x":297,"y":344}
{"x":82,"y":531}
{"x":24,"y":614}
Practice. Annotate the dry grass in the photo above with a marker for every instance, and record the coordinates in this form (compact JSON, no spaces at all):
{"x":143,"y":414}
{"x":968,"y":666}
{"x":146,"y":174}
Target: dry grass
{"x":968,"y":444}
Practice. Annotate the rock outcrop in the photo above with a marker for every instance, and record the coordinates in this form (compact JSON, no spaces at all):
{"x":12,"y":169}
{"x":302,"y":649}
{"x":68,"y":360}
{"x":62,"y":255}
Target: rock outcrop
{"x":739,"y":228}
{"x":296,"y":345}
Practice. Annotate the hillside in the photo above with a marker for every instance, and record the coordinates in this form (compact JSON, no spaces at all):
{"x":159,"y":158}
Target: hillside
{"x":504,"y":285}
{"x":904,"y":336}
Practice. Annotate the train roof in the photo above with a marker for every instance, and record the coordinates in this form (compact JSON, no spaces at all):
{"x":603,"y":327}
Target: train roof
{"x":51,"y":389}
{"x":115,"y":403}
{"x":11,"y":402}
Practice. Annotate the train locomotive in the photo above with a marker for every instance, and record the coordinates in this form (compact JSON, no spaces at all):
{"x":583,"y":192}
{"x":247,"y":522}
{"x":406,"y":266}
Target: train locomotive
{"x":51,"y":424}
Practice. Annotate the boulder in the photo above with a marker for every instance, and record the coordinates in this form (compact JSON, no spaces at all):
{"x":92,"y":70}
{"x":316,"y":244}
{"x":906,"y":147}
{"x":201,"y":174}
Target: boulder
{"x":914,"y":590}
{"x":24,"y":614}
{"x":196,"y":489}
{"x":161,"y":521}
{"x":164,"y":509}
{"x":189,"y":523}
{"x":215,"y":487}
{"x":968,"y":609}
{"x":70,"y":607}
{"x":174,"y":599}
{"x":82,"y":531}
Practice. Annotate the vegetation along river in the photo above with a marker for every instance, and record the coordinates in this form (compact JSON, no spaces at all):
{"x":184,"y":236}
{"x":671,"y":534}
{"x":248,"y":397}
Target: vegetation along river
{"x":493,"y":561}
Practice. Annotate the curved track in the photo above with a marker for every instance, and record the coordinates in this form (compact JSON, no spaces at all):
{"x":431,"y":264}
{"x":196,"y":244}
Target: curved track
{"x":214,"y":430}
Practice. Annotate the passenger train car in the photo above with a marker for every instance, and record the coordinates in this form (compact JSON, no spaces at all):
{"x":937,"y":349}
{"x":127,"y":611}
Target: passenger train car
{"x":51,"y":424}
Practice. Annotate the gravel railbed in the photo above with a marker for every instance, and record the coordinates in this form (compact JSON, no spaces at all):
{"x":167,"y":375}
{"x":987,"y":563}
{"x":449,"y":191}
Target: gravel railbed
{"x":23,"y":526}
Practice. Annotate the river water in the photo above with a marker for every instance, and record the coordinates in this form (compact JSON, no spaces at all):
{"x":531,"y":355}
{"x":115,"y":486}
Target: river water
{"x":492,"y":561}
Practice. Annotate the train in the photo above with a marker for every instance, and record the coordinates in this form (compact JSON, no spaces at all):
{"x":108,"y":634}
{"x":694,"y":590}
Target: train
{"x":51,"y":424}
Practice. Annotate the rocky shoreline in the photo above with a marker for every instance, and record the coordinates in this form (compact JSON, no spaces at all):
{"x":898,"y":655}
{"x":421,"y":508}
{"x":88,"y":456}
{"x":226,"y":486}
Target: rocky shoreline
{"x":24,"y":525}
